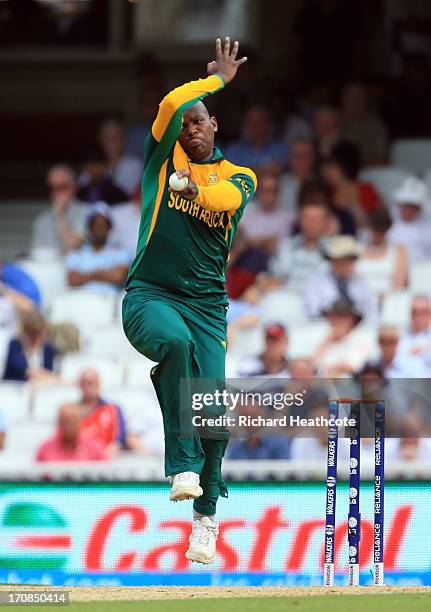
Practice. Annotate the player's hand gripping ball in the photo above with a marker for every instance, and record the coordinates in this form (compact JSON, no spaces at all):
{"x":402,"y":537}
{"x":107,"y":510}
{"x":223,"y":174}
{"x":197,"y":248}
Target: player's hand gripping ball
{"x":176,"y":183}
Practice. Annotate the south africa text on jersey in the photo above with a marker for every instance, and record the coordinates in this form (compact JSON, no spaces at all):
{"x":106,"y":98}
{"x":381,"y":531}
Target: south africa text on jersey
{"x":192,"y":208}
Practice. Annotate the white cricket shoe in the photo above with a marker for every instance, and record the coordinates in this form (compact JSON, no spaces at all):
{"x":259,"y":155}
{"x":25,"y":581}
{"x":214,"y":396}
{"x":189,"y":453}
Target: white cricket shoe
{"x":202,"y":547}
{"x":185,"y":485}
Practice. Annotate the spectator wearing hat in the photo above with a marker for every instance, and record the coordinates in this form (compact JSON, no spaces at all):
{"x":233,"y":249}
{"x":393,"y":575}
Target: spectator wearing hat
{"x":396,"y":363}
{"x":60,"y":228}
{"x":272,"y":361}
{"x":416,"y":341}
{"x":345,"y":349}
{"x":340,"y":281}
{"x":340,"y":171}
{"x":411,"y":229}
{"x":383,"y":264}
{"x":96,"y":265}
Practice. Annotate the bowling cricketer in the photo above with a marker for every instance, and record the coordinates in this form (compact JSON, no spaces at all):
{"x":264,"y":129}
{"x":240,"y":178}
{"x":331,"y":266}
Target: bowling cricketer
{"x":174,"y":311}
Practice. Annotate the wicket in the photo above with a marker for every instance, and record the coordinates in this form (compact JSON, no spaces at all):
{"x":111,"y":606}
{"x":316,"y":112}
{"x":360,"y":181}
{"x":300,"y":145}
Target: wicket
{"x":354,"y":516}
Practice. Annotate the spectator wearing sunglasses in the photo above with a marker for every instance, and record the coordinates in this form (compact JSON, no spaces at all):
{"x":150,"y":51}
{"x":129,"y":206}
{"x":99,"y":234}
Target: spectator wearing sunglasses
{"x":60,"y":228}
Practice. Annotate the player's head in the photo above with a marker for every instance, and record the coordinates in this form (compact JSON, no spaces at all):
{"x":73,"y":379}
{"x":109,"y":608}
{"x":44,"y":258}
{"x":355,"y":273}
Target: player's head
{"x":197,"y":132}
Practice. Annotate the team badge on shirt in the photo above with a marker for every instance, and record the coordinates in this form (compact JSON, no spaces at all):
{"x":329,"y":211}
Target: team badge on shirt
{"x":212,"y":178}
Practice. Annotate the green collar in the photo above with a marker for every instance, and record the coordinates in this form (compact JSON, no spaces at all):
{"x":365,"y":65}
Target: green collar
{"x":217,"y":156}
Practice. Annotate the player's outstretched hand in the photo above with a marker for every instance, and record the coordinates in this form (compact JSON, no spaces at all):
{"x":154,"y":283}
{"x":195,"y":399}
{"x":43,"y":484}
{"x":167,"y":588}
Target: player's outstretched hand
{"x":225,"y":62}
{"x":191,"y":191}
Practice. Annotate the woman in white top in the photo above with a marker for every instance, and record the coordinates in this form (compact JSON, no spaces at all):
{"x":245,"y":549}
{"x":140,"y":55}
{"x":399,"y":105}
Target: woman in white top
{"x":384,"y":265}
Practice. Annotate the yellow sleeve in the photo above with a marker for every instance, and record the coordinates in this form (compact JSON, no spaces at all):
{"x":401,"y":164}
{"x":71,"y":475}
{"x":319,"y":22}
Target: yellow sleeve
{"x":229,"y":194}
{"x":175,"y":103}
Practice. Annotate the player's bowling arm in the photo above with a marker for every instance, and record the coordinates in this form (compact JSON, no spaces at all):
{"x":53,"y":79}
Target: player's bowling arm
{"x":173,"y":105}
{"x":228,"y":194}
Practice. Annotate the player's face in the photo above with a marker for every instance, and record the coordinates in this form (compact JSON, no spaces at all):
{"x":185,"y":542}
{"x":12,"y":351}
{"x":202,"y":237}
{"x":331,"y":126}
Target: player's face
{"x":197,"y":133}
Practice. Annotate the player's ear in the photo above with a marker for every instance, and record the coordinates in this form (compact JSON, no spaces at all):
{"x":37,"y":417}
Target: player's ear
{"x":214,"y":123}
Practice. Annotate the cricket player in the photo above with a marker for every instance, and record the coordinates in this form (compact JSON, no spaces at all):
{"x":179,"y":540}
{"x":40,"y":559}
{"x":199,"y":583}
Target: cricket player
{"x":174,"y":311}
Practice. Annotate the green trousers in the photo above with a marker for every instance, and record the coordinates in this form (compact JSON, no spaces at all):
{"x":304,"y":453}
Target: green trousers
{"x":188,"y":341}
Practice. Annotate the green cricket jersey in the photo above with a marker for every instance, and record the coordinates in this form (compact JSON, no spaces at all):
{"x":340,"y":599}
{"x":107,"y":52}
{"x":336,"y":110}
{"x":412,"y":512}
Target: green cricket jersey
{"x":183,"y":245}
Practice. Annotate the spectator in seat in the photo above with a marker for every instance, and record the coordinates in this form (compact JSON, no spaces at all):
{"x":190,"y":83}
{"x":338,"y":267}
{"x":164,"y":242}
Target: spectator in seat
{"x":123,"y":170}
{"x":415,"y":443}
{"x":263,"y":226}
{"x":60,"y":228}
{"x":345,"y":349}
{"x":340,"y":171}
{"x":98,"y":266}
{"x":125,"y":225}
{"x":327,"y":130}
{"x":258,"y":147}
{"x":69,"y":443}
{"x":272,"y":362}
{"x":362,"y":127}
{"x":298,"y":258}
{"x":258,"y":443}
{"x":97,"y":185}
{"x":30,"y":357}
{"x":341,"y":220}
{"x":411,"y":229}
{"x":302,"y":159}
{"x":398,"y":364}
{"x":311,"y":444}
{"x":416,"y":341}
{"x":243,"y":313}
{"x":340,"y":281}
{"x":18,"y":287}
{"x":100,"y":420}
{"x":383,"y":264}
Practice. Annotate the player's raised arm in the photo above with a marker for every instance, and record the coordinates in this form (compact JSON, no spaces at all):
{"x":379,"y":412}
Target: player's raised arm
{"x":221,"y":71}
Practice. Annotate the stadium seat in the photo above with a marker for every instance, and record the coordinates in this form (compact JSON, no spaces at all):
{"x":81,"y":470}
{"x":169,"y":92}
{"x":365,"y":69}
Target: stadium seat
{"x":110,"y":371}
{"x":413,"y":155}
{"x":142,"y":415}
{"x":135,"y":401}
{"x":232,"y":362}
{"x":385,"y":180}
{"x":49,"y":275}
{"x":247,"y":342}
{"x":87,"y":309}
{"x":396,"y":308}
{"x":14,"y":401}
{"x":138,"y":372}
{"x":23,"y":441}
{"x":304,"y":339}
{"x":283,"y":306}
{"x":111,"y":342}
{"x":48,"y":400}
{"x":420,"y":277}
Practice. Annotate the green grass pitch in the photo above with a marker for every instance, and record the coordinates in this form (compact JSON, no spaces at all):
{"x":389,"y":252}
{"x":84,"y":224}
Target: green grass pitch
{"x":414,"y":602}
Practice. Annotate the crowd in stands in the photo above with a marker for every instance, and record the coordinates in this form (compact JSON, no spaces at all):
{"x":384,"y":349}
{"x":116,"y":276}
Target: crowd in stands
{"x":317,"y":233}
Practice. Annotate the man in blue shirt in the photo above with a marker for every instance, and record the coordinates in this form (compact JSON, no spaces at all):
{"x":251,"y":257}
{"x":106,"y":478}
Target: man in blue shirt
{"x":258,"y":147}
